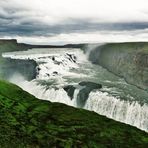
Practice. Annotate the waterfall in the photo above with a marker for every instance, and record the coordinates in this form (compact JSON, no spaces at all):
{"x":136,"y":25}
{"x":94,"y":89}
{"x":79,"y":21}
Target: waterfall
{"x":50,"y":94}
{"x":101,"y":102}
{"x":65,"y":66}
{"x":51,"y":62}
{"x":74,"y":100}
{"x":124,"y":111}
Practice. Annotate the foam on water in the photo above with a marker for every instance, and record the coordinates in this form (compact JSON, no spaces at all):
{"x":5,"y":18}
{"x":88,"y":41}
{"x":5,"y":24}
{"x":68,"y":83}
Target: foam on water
{"x":50,"y":94}
{"x":52,"y":62}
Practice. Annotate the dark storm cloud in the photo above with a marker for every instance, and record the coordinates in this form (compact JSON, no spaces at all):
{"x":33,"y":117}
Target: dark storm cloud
{"x":15,"y":25}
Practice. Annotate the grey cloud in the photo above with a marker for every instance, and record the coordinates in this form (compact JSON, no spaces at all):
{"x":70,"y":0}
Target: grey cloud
{"x":20,"y":21}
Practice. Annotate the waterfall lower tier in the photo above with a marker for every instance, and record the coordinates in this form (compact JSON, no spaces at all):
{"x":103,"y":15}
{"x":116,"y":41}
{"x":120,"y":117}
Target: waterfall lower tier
{"x":128,"y":112}
{"x":101,"y":102}
{"x":41,"y":92}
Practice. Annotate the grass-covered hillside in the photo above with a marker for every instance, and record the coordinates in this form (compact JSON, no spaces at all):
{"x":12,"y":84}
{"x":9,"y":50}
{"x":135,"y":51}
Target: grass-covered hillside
{"x":26,"y":122}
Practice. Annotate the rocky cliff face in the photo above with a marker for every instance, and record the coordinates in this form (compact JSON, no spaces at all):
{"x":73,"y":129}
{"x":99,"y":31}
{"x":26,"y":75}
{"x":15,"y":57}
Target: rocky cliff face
{"x":9,"y":67}
{"x":27,"y":68}
{"x":127,"y":60}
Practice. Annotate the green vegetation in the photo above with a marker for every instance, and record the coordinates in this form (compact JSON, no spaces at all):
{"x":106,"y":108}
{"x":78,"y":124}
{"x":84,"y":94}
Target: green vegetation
{"x":27,"y":122}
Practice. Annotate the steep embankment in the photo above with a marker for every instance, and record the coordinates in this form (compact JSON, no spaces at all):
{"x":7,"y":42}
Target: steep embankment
{"x":9,"y":67}
{"x":127,"y":60}
{"x":28,"y":122}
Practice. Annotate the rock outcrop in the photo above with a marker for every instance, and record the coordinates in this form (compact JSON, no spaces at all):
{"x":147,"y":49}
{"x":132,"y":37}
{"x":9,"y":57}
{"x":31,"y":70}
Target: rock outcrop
{"x":84,"y":92}
{"x":84,"y":88}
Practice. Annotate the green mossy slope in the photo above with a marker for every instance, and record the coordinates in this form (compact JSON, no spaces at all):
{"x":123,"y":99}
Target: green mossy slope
{"x":28,"y":122}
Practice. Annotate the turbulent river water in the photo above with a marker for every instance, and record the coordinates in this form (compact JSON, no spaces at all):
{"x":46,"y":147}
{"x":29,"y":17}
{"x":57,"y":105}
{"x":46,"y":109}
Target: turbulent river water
{"x":66,"y":66}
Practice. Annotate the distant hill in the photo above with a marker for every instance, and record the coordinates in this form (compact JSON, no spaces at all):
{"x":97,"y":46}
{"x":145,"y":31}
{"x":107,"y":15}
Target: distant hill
{"x":27,"y":122}
{"x":12,"y":45}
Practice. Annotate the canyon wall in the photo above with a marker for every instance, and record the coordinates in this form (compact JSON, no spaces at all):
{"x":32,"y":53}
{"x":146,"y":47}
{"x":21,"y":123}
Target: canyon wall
{"x":127,"y":60}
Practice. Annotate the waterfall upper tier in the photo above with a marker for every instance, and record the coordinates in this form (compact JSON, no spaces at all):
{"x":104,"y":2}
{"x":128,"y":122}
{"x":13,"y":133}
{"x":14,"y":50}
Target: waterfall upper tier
{"x":51,"y":62}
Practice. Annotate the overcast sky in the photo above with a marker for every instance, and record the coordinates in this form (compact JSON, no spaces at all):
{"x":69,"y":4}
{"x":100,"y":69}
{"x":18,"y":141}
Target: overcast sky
{"x":74,"y":21}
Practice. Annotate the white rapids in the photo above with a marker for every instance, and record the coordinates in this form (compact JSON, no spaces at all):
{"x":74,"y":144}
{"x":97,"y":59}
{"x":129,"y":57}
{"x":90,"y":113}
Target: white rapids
{"x":51,"y":62}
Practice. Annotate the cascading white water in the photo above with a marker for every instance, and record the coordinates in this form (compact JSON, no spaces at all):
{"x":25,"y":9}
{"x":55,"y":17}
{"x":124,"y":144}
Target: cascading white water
{"x":58,"y":63}
{"x":41,"y":92}
{"x":51,"y":62}
{"x":101,"y":102}
{"x":128,"y":112}
{"x":50,"y":94}
{"x":74,"y":99}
